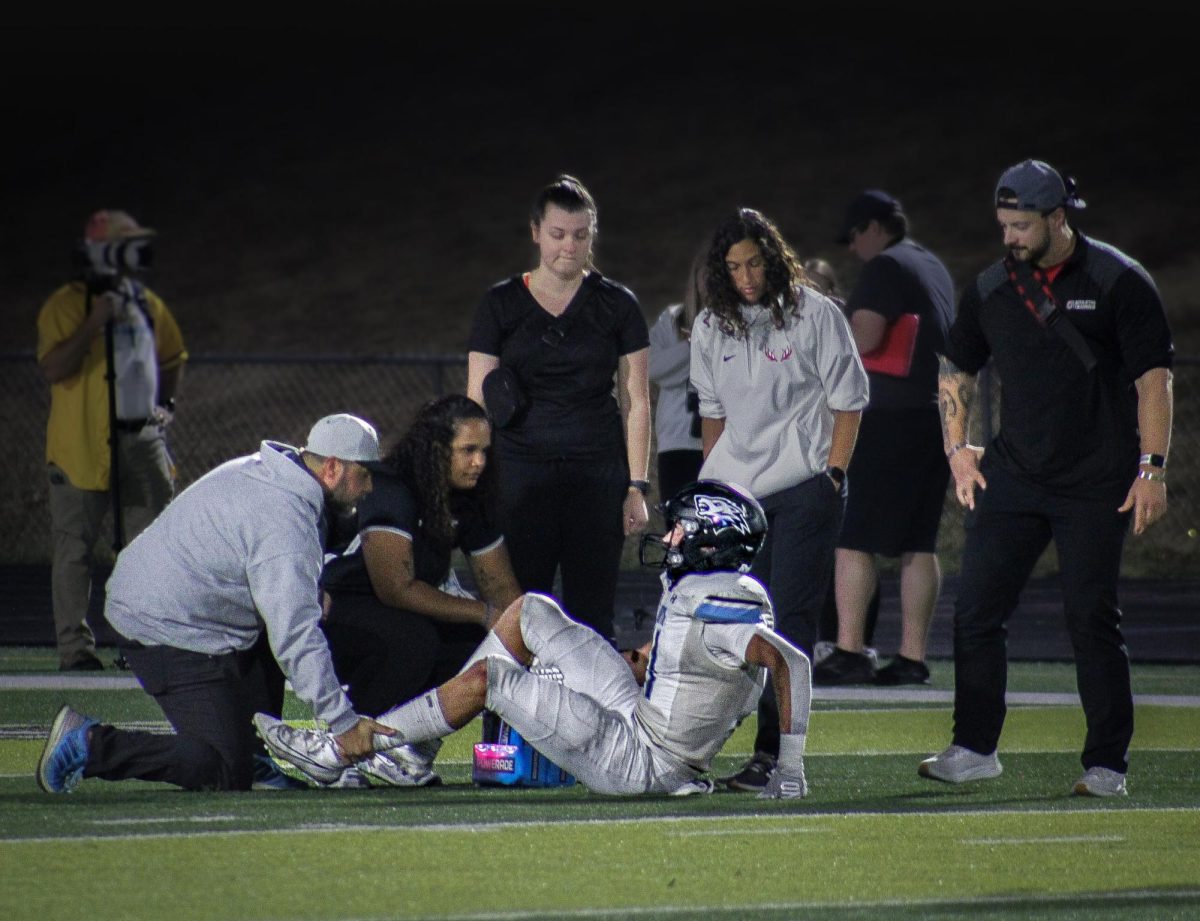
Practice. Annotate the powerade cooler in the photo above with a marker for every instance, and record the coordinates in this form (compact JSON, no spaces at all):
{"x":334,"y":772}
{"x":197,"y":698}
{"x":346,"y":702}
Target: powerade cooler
{"x":503,"y":758}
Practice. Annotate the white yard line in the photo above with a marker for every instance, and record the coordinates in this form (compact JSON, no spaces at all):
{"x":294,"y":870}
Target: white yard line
{"x":475,"y":827}
{"x":1065,"y":839}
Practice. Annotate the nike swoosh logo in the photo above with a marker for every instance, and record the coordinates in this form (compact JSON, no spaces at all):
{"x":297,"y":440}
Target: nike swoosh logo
{"x":727,"y":357}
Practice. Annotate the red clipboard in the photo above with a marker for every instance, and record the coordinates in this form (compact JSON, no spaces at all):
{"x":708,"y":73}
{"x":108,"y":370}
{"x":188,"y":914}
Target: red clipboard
{"x":894,"y":355}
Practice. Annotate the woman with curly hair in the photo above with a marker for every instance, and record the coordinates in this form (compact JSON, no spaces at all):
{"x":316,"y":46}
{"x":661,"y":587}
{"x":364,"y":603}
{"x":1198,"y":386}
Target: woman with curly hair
{"x":397,"y":621}
{"x":559,"y":355}
{"x":781,"y":391}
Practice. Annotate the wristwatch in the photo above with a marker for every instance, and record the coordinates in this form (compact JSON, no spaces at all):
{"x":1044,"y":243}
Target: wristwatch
{"x":642,"y":486}
{"x":837,"y":474}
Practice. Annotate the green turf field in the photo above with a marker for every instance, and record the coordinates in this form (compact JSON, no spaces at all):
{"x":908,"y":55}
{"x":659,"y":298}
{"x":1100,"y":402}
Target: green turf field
{"x":872,"y":840}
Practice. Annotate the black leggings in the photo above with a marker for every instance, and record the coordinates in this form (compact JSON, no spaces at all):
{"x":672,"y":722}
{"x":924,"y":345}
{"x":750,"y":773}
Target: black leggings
{"x":565,"y":516}
{"x":387,"y":656}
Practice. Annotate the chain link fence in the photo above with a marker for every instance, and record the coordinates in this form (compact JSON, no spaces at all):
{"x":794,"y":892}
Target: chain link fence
{"x":229,"y":403}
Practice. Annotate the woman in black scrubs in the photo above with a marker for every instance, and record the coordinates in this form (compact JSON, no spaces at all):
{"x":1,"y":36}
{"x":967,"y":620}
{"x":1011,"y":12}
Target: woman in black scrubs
{"x":397,"y":621}
{"x":571,"y":449}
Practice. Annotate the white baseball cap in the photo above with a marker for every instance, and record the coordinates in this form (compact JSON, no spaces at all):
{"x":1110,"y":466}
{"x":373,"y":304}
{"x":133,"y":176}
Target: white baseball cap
{"x":346,"y":437}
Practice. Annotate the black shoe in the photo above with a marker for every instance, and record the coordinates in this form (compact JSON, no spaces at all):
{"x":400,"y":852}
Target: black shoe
{"x":753,"y":775}
{"x":841,"y":667}
{"x":903,"y":671}
{"x":88,"y":663}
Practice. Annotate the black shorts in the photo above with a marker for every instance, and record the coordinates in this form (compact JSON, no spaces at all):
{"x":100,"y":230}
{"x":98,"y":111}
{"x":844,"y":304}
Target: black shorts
{"x":897,"y":483}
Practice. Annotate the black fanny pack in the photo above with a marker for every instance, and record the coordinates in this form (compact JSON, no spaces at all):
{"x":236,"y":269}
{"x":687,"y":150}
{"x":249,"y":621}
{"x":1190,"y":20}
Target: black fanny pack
{"x":505,"y":398}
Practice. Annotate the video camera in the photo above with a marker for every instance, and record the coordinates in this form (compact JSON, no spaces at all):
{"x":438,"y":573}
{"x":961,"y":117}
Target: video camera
{"x":118,"y":257}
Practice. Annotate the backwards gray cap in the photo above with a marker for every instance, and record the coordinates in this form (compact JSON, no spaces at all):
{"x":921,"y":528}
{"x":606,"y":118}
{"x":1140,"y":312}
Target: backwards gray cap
{"x":346,"y":437}
{"x":1035,"y":185}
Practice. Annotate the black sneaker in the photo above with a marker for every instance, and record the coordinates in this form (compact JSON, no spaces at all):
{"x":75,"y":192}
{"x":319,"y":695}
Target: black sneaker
{"x":841,"y":667}
{"x":86,"y":663}
{"x":903,"y":671}
{"x":753,"y":775}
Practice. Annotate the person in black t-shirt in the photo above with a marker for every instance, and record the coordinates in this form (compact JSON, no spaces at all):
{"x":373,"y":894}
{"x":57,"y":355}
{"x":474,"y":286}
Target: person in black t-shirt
{"x":572,"y":450}
{"x":1078,"y":334}
{"x":397,"y":621}
{"x":898,"y":475}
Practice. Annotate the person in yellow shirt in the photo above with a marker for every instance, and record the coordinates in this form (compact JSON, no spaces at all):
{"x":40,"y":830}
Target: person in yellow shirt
{"x":104,"y":319}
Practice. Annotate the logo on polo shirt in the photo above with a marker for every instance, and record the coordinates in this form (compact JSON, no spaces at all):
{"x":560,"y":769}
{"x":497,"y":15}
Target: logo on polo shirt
{"x":1081,"y":305}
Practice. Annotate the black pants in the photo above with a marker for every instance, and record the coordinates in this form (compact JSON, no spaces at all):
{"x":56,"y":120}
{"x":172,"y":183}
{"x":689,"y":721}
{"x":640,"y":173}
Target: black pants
{"x":210,"y":701}
{"x":796,"y":565}
{"x":565,"y":516}
{"x":388,"y":656}
{"x":677,"y":469}
{"x":1012,"y":524}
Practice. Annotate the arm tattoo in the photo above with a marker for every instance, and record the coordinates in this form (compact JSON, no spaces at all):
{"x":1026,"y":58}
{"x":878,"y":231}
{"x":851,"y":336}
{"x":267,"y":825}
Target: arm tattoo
{"x":956,"y":392}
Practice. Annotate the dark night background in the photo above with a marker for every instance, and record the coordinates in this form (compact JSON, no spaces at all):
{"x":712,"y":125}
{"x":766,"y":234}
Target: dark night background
{"x":355,"y":188}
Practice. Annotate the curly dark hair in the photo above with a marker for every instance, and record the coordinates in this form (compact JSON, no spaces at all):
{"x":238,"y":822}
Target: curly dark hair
{"x":422,"y":458}
{"x":784,"y":271}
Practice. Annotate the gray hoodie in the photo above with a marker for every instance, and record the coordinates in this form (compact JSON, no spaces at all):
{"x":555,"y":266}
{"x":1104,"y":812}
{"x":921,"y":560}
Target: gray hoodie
{"x":238,"y":549}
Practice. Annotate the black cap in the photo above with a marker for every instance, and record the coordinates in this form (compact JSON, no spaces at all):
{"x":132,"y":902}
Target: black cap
{"x":872,"y":204}
{"x":1034,"y":185}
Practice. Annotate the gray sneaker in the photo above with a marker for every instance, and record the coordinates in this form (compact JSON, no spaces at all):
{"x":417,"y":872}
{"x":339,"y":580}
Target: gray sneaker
{"x":958,"y":765}
{"x":1100,"y":781}
{"x":399,"y":767}
{"x":311,"y":751}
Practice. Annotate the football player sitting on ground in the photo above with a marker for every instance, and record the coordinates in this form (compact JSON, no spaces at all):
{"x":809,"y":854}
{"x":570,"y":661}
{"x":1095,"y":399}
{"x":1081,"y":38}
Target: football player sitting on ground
{"x":650,"y":721}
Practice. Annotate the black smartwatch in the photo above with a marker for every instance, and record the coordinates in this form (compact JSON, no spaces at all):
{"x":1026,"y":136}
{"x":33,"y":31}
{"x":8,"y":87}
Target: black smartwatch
{"x":642,"y":486}
{"x":837,"y":474}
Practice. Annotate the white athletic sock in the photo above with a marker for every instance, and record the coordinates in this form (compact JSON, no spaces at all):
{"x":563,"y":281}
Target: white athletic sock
{"x":419,"y":720}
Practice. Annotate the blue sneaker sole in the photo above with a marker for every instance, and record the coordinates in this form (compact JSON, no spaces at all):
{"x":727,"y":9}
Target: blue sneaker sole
{"x":53,"y":741}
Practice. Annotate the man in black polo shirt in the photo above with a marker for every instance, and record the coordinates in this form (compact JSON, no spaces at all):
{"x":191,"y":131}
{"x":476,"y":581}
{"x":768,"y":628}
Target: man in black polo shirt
{"x":1077,"y":332}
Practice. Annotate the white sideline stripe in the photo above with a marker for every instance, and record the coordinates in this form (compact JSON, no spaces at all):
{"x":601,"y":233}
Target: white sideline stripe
{"x":475,"y":828}
{"x":1066,"y":839}
{"x":165,"y":820}
{"x":1016,"y":698}
{"x":67,"y":682}
{"x":56,"y":682}
{"x":749,"y":831}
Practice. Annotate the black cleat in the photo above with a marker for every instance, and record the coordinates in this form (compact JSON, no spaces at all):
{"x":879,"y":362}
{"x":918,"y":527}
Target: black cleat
{"x":841,"y":667}
{"x":902,"y":671}
{"x":753,"y":775}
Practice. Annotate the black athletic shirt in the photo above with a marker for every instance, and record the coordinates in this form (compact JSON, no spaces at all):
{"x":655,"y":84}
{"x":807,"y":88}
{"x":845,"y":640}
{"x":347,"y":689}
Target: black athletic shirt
{"x":907,"y":278}
{"x":1060,"y":426}
{"x":565,"y":364}
{"x":392,"y":506}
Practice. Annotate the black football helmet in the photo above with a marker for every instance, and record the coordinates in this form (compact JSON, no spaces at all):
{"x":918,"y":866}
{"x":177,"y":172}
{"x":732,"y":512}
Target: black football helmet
{"x":723,"y":529}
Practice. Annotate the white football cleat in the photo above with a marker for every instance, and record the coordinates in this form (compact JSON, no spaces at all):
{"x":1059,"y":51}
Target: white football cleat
{"x":701,"y":786}
{"x":311,"y":751}
{"x":399,"y":767}
{"x":350,"y":779}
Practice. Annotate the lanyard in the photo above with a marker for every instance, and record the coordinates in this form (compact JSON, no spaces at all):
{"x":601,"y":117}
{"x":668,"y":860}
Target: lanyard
{"x":1049,"y":304}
